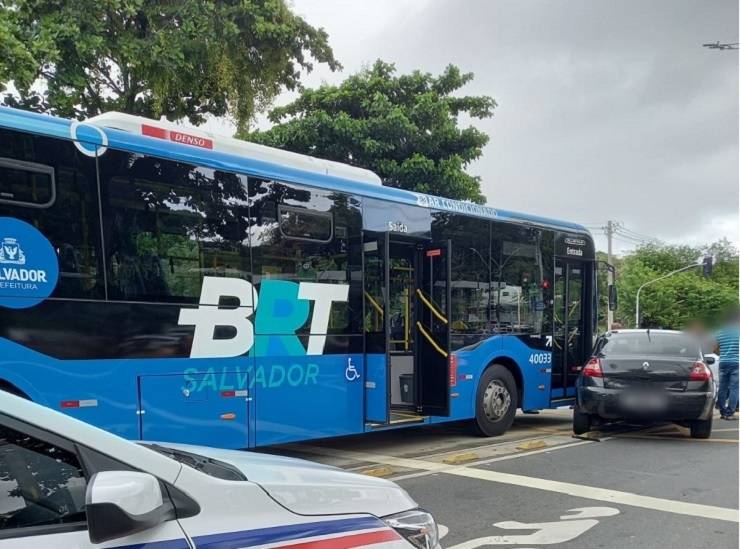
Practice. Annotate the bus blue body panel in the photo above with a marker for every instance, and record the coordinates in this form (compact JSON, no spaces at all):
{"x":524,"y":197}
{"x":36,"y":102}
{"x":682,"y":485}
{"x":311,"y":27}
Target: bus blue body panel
{"x":171,"y":412}
{"x":326,"y":405}
{"x":246,"y":401}
{"x":227,"y":402}
{"x":504,"y":350}
{"x":375,"y":382}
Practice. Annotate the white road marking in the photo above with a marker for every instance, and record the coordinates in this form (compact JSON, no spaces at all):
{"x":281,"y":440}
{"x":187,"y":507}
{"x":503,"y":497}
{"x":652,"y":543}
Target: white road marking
{"x":604,"y":494}
{"x":568,"y":528}
{"x":500,"y":458}
{"x":576,"y":490}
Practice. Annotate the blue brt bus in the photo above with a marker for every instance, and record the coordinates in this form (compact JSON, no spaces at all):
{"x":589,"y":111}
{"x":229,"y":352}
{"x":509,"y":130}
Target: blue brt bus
{"x":167,"y":284}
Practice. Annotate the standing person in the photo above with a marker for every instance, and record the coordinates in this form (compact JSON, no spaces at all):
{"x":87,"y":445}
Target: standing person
{"x":726,"y":345}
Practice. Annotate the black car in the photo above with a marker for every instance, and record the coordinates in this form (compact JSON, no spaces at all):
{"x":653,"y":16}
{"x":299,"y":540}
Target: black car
{"x":645,"y":376}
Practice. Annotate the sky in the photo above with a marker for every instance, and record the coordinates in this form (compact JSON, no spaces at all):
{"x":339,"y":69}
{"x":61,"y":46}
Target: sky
{"x":607,"y":110}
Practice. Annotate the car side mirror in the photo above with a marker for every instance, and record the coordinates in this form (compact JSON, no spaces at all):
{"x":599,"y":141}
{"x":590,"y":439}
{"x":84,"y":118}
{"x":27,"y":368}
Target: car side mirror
{"x":709,"y":360}
{"x":121,"y":503}
{"x":612,"y":297}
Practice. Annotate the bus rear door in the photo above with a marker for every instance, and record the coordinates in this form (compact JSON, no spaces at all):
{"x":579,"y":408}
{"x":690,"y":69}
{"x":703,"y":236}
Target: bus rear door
{"x":569,"y":327}
{"x":433,"y":301}
{"x":376,"y":328}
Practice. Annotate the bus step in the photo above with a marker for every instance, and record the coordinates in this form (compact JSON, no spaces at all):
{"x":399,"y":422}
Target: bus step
{"x":398,"y":418}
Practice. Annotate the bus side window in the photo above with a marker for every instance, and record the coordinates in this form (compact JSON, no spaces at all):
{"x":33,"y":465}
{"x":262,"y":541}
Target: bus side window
{"x":49,"y":184}
{"x":168,"y":224}
{"x":519,"y":275}
{"x":470,"y":283}
{"x":307,"y":235}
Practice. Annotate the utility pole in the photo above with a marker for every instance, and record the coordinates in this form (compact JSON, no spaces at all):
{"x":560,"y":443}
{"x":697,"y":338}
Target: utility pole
{"x":610,"y":226}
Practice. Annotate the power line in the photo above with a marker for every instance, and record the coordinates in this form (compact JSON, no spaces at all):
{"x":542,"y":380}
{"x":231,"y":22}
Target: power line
{"x":627,"y":236}
{"x":638,"y":235}
{"x":630,"y":242}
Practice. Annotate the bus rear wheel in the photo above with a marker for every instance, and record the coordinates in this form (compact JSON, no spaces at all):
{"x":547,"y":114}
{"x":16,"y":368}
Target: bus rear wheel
{"x":496,"y":401}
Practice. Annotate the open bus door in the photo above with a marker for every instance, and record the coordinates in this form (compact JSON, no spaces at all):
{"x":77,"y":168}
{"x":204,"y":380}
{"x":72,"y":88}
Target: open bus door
{"x":432,"y":324}
{"x":570,"y":344}
{"x":376,"y":326}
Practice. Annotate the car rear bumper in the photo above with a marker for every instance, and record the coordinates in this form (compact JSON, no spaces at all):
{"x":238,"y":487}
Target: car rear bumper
{"x":676,"y":406}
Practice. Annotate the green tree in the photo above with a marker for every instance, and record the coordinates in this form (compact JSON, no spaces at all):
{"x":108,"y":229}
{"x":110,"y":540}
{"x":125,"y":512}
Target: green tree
{"x":683,"y":298}
{"x":404,"y":128}
{"x":185,"y":58}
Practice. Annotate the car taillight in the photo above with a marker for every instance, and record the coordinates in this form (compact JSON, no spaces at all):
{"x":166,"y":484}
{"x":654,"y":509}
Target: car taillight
{"x":593,"y":368}
{"x":700,"y":372}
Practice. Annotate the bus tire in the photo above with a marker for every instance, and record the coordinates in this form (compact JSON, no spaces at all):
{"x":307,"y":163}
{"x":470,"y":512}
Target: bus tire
{"x":581,"y":421}
{"x":495,"y":402}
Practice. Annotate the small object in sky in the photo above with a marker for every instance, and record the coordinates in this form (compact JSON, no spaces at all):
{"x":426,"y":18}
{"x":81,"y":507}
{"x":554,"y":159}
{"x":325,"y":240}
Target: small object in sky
{"x":717,"y":46}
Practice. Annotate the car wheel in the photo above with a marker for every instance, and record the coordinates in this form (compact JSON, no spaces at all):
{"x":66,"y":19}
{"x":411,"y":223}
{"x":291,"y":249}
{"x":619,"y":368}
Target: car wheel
{"x":496,"y":401}
{"x":701,"y":428}
{"x":581,"y":421}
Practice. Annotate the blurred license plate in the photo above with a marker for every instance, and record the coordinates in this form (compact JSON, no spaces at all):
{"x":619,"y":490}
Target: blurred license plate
{"x":643,"y":401}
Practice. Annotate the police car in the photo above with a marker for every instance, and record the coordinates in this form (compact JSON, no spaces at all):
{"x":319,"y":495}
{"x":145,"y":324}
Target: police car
{"x":67,"y":484}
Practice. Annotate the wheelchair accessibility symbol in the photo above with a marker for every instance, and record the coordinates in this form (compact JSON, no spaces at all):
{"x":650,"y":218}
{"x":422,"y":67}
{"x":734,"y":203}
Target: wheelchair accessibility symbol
{"x":571,"y":525}
{"x":351,"y":373}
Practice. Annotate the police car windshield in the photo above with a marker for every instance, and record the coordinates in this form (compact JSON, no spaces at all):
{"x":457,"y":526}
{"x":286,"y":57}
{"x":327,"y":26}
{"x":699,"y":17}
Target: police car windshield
{"x":209,"y":466}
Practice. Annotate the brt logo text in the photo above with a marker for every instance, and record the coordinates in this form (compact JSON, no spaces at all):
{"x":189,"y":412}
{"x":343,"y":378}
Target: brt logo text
{"x":279,"y":309}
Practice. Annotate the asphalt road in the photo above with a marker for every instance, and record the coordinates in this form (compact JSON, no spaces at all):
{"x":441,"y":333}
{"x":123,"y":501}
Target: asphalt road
{"x":538,"y":486}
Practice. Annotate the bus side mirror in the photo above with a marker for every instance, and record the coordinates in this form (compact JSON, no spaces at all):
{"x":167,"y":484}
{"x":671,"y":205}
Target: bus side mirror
{"x":612,"y":297}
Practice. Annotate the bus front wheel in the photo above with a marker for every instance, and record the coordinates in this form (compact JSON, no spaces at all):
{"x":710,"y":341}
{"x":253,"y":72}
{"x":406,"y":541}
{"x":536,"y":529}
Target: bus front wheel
{"x":496,"y":401}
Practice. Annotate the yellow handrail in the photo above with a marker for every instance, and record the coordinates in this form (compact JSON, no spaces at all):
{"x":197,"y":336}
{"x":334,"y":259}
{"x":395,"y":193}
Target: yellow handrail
{"x":374,"y":303}
{"x":432,"y":308}
{"x":429,"y":338}
{"x":407,"y":324}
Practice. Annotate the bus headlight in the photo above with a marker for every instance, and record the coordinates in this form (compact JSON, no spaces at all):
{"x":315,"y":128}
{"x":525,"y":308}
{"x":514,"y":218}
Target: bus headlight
{"x":417,"y":527}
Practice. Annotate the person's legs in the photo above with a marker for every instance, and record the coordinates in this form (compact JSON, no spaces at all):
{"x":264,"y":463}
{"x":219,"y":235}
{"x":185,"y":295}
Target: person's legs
{"x":723,"y":393}
{"x":733,"y":389}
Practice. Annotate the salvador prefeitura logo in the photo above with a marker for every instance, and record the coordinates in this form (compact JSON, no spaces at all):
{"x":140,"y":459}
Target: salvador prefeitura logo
{"x":29,"y":269}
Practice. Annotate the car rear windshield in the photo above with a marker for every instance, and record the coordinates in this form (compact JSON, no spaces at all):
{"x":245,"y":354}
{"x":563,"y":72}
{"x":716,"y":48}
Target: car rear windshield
{"x":644,"y":343}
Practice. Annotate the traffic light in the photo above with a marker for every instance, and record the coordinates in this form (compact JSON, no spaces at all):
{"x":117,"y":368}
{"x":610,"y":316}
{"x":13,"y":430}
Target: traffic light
{"x":707,"y":265}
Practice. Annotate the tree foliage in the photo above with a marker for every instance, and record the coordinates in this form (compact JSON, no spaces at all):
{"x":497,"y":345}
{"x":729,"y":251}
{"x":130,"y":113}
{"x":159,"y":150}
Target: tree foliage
{"x":405,"y":128}
{"x":184,"y":58}
{"x":683,"y":298}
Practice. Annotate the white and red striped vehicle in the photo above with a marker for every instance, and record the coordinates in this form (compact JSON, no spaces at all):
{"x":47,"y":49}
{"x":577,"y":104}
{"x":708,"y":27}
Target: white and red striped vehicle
{"x":67,"y":484}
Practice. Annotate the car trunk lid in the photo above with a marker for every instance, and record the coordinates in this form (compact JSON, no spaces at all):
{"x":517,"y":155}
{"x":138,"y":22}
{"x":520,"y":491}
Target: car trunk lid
{"x":647,"y":372}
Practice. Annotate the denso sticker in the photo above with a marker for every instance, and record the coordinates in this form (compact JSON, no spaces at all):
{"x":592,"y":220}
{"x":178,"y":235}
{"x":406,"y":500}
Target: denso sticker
{"x":29,"y":269}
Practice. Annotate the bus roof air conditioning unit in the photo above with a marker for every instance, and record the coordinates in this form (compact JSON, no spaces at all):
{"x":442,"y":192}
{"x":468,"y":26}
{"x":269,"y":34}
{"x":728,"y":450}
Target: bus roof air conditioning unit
{"x":188,"y":135}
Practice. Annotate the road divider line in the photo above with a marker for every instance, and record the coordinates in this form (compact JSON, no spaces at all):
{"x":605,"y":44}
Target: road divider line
{"x":603,"y":494}
{"x":571,"y":489}
{"x":681,"y":438}
{"x":516,"y":455}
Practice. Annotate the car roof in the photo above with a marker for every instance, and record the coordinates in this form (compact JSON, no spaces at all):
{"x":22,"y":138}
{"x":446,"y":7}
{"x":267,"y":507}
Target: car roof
{"x":88,"y":435}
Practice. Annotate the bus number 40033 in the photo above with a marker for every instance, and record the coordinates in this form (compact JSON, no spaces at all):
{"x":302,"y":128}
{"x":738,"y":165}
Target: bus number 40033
{"x":540,"y":358}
